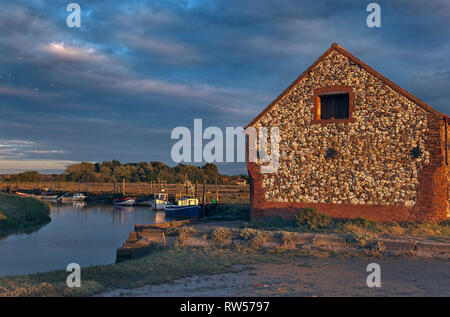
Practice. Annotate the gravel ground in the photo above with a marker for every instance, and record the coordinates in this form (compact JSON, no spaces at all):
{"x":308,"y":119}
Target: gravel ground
{"x":312,"y":277}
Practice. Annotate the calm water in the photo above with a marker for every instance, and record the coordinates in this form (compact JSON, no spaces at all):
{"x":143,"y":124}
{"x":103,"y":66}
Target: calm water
{"x":80,"y":233}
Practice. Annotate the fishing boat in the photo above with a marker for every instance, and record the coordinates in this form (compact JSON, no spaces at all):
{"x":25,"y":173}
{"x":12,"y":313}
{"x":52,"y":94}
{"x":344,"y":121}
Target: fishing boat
{"x":72,"y":197}
{"x":185,"y":208}
{"x":160,"y":201}
{"x":125,"y":201}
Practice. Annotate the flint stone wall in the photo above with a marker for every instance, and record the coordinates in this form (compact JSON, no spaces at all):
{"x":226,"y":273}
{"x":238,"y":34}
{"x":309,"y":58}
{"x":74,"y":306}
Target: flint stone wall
{"x":372,"y":165}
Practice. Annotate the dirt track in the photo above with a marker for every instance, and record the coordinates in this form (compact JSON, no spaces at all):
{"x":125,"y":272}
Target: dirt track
{"x":313,"y":277}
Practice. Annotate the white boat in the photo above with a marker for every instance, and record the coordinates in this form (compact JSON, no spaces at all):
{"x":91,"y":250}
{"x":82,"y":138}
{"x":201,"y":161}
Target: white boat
{"x":160,"y":201}
{"x":125,"y":201}
{"x":72,"y":197}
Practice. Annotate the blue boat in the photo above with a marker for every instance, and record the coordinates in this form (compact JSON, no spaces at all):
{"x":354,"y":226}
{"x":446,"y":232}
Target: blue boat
{"x":185,"y":208}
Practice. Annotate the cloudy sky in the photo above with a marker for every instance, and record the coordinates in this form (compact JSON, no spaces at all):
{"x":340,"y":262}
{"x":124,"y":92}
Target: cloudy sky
{"x":117,"y":86}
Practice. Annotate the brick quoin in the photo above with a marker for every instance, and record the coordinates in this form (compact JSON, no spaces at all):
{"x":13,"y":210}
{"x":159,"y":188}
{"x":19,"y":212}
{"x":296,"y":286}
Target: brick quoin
{"x":432,"y":193}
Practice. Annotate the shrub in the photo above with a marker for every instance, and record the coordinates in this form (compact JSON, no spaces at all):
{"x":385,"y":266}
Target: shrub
{"x":362,"y":237}
{"x":445,"y":223}
{"x":312,"y":219}
{"x":285,"y":238}
{"x":378,"y":248}
{"x":362,"y":222}
{"x":365,"y":224}
{"x":247,"y":233}
{"x":183,"y":234}
{"x":219,"y":234}
{"x":254,"y":238}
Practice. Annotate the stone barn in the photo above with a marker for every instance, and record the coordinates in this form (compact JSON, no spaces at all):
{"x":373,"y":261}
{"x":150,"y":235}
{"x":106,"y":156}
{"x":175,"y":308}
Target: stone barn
{"x":353,"y":144}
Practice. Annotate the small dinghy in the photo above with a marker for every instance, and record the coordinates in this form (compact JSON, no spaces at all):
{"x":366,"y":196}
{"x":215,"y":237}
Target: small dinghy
{"x":125,"y":201}
{"x":185,"y":208}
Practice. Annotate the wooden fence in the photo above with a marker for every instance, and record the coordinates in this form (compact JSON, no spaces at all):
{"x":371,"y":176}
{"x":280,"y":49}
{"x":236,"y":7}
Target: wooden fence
{"x":224,"y":193}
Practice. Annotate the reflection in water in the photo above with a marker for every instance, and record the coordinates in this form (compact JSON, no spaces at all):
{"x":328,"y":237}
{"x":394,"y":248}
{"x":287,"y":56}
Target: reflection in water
{"x":117,"y":214}
{"x":160,"y":216}
{"x":79,"y":232}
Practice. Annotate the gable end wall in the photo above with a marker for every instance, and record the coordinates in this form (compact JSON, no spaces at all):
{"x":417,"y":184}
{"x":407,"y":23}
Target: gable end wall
{"x":373,"y":175}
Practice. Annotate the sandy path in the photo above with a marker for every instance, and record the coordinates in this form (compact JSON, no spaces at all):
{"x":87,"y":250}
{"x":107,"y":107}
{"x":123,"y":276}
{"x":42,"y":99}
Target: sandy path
{"x":313,"y":277}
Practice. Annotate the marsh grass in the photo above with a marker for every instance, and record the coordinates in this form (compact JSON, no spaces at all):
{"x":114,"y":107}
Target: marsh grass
{"x":163,"y":266}
{"x":231,"y":211}
{"x":22,"y":214}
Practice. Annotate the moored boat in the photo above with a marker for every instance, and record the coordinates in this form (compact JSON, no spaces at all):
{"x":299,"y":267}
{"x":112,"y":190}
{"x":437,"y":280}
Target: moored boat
{"x":185,"y":208}
{"x":124,"y":201}
{"x":160,"y":201}
{"x":24,"y":194}
{"x":28,"y":195}
{"x":72,"y":197}
{"x":144,"y":202}
{"x":47,"y":195}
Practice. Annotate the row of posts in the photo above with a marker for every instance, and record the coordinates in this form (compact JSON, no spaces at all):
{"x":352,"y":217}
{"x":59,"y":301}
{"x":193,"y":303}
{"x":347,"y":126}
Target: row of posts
{"x":154,"y":187}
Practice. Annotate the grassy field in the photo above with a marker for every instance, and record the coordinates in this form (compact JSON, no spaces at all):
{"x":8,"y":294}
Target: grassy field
{"x":22,"y":214}
{"x":160,"y":267}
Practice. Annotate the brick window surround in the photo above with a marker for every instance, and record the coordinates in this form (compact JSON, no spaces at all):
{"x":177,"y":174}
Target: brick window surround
{"x":329,"y":91}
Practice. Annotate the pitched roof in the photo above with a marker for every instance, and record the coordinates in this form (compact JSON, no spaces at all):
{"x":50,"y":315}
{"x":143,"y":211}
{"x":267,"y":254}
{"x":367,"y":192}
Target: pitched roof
{"x":338,"y":48}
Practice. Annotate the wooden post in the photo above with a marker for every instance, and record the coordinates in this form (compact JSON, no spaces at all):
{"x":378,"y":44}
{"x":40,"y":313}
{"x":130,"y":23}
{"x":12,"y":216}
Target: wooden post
{"x":123,"y":187}
{"x":203,"y":198}
{"x":217,"y":192}
{"x":195,"y":190}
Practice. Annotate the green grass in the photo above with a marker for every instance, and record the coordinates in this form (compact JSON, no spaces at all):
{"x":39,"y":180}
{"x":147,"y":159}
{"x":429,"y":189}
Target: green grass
{"x":312,"y":220}
{"x":231,"y":211}
{"x":22,"y":214}
{"x":160,"y":267}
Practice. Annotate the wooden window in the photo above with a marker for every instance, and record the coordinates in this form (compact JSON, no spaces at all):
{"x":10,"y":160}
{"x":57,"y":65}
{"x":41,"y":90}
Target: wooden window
{"x":333,"y":104}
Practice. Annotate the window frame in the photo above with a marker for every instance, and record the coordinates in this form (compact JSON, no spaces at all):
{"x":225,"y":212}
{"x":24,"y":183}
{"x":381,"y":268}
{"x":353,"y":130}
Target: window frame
{"x":331,"y":91}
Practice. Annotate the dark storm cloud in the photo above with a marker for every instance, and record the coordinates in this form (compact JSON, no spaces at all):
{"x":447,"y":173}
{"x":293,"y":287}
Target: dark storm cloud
{"x":116,"y":87}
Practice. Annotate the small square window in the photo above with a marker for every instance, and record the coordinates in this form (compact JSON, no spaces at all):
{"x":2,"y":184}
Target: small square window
{"x":334,"y":106}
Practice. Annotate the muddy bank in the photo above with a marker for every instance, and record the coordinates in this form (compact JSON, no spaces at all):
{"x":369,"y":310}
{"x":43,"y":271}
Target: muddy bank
{"x":312,"y":277}
{"x":146,"y":239}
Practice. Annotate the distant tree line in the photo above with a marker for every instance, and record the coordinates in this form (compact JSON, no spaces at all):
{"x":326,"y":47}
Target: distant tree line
{"x":114,"y":171}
